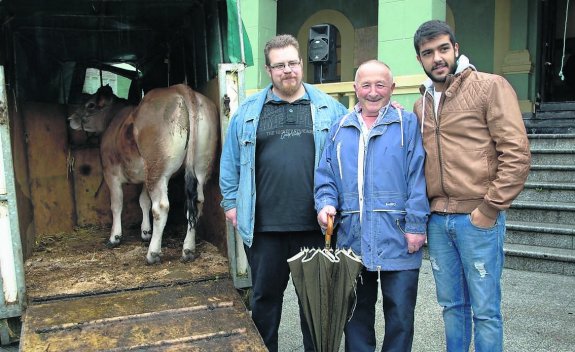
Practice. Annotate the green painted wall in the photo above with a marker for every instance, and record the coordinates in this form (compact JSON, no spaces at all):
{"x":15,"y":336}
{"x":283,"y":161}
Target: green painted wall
{"x":397,"y":24}
{"x":259,"y":17}
{"x":292,"y":14}
{"x":474,"y":23}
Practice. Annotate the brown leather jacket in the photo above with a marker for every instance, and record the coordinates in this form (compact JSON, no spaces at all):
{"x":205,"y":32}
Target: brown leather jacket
{"x":477,"y":151}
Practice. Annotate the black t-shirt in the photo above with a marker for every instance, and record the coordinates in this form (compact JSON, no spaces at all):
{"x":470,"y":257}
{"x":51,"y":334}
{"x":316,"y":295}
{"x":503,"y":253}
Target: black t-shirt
{"x":285,"y":167}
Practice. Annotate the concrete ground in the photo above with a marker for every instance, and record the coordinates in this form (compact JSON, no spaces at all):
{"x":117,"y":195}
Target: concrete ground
{"x":538,"y":312}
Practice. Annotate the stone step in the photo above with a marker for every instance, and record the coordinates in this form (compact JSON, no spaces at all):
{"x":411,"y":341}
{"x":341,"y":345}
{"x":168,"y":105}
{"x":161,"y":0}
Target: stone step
{"x":545,"y":212}
{"x":552,"y":141}
{"x":540,"y":231}
{"x":535,"y":258}
{"x":548,"y":192}
{"x":540,"y":259}
{"x":555,"y":115}
{"x":552,"y":173}
{"x":551,"y":119}
{"x":549,"y":156}
{"x":559,"y":106}
{"x":540,"y":234}
{"x":558,"y":125}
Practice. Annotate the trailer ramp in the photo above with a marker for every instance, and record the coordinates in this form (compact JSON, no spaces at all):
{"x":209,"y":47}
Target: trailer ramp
{"x":206,"y":315}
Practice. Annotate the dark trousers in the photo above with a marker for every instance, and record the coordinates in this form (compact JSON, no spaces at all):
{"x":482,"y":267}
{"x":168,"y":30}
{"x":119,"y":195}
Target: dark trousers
{"x":399,"y":294}
{"x":268,"y":257}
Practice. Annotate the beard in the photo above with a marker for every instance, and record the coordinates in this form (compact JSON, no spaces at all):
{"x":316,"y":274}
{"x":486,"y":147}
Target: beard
{"x":288,"y":86}
{"x":441,"y":79}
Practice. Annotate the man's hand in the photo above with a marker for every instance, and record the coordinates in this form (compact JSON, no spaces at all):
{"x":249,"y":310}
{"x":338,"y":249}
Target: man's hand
{"x":322,"y":215}
{"x":396,"y":105}
{"x":480,"y":220}
{"x":414,"y":241}
{"x":231,"y":216}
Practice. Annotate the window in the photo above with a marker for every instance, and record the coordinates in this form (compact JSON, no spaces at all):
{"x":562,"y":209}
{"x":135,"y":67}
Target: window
{"x":95,"y":78}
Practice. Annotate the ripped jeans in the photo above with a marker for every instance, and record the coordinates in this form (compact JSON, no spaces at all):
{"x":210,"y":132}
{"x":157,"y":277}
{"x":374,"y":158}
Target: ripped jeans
{"x":467,"y":262}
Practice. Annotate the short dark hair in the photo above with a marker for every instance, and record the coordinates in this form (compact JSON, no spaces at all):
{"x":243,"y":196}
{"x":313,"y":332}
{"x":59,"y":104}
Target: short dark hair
{"x":431,"y":30}
{"x":279,"y":42}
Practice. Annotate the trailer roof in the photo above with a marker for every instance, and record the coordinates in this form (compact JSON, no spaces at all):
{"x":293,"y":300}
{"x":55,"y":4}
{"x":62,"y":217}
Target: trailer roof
{"x":119,"y":29}
{"x":39,"y":36}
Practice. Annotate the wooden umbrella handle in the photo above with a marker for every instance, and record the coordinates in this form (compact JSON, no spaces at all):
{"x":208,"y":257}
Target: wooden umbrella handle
{"x":328,"y":231}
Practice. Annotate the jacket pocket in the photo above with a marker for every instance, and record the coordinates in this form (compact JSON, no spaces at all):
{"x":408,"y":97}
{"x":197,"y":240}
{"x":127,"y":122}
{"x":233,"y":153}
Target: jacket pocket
{"x":247,"y":151}
{"x":323,"y":124}
{"x":349,"y":202}
{"x":392,"y":202}
{"x":467,"y":174}
{"x":349,"y":231}
{"x":389,"y":220}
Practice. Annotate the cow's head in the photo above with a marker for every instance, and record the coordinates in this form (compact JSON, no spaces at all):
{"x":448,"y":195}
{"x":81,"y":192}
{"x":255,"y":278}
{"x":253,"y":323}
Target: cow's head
{"x":94,"y":114}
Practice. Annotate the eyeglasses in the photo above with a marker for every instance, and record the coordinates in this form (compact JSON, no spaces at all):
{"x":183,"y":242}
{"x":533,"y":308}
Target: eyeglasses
{"x":282,"y":65}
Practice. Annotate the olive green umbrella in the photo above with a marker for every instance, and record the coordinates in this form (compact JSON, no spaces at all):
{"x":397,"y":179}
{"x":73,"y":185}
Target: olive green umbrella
{"x":325,"y":282}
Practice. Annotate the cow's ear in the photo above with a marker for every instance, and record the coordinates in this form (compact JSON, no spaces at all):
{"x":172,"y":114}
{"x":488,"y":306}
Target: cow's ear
{"x":104,"y":96}
{"x":105,"y":90}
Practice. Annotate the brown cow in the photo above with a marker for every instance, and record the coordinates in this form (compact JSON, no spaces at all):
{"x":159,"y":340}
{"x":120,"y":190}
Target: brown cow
{"x":170,"y":128}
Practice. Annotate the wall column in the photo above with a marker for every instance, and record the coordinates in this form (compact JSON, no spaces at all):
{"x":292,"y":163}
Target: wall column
{"x":260,"y":19}
{"x":397,"y":22}
{"x":511,"y":43}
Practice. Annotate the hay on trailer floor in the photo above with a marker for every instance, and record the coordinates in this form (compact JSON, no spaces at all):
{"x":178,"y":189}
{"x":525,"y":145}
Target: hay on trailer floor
{"x":79,"y":262}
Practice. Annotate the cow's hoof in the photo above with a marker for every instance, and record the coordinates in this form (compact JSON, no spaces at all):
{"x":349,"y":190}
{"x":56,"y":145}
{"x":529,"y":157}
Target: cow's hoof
{"x":146,"y":235}
{"x":189,"y":256}
{"x":115,"y":243}
{"x":153,"y":257}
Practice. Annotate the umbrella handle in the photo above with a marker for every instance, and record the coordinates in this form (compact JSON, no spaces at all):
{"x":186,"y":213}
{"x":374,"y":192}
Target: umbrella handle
{"x":328,"y":231}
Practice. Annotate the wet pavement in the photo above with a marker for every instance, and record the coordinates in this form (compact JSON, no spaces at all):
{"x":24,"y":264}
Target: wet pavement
{"x":538,"y":312}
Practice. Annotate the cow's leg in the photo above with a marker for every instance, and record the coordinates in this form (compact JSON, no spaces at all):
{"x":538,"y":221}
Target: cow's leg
{"x":145,"y":205}
{"x":160,"y":207}
{"x":116,"y":203}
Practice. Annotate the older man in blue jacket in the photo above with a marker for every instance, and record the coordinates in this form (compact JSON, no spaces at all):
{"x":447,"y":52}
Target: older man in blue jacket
{"x":371,"y":174}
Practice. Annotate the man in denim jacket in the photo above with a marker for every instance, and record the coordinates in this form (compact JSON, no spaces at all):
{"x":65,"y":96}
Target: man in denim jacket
{"x":272,"y":146}
{"x":371,"y":174}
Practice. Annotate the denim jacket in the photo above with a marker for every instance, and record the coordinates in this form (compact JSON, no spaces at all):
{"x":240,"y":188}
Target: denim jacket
{"x":237,"y":164}
{"x":377,"y":188}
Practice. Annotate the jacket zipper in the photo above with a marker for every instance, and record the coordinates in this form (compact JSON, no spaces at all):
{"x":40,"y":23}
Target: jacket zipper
{"x":439,"y":154}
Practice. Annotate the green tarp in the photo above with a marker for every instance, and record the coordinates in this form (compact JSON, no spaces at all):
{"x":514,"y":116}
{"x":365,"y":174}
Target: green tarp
{"x":234,"y":44}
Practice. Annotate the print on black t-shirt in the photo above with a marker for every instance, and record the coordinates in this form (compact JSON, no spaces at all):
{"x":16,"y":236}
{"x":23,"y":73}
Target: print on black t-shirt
{"x":284,"y":168}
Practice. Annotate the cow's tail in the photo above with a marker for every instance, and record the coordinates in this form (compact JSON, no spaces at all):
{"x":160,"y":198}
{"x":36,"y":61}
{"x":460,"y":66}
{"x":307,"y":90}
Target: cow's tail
{"x":191,"y":102}
{"x":191,"y":183}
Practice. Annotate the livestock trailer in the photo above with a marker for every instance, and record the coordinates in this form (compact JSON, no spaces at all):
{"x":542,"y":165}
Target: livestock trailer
{"x":62,"y":288}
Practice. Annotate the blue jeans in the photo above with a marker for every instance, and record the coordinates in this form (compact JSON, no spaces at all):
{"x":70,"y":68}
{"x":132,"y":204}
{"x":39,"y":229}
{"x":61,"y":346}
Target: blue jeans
{"x":467,"y":262}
